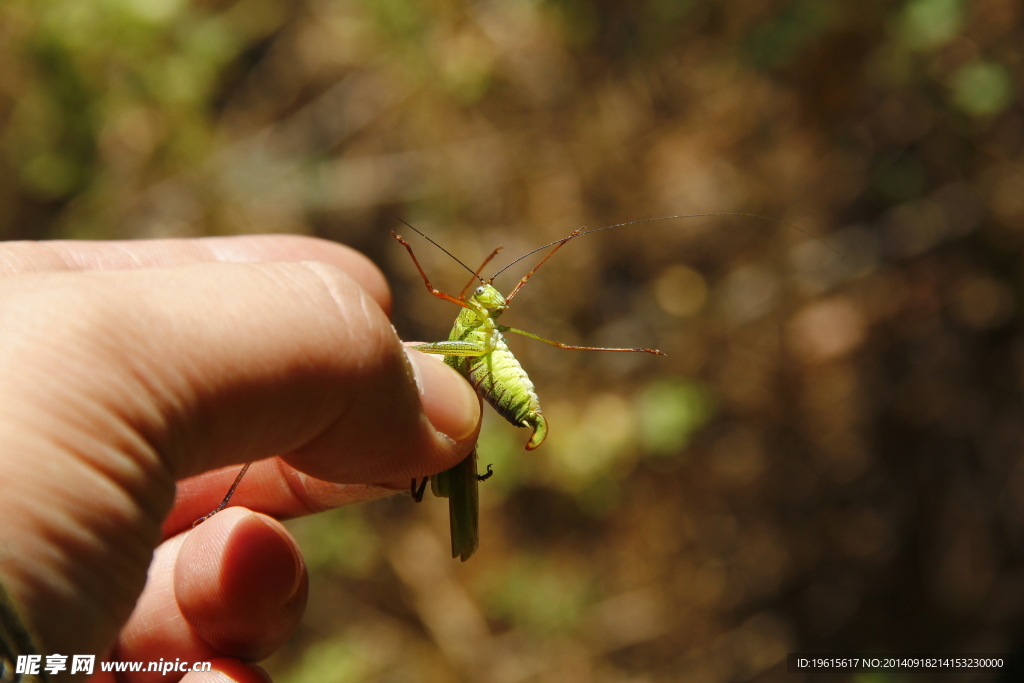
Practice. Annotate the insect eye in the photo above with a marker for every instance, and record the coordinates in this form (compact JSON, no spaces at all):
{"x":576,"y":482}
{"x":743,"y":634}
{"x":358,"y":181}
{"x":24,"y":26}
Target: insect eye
{"x":480,"y":289}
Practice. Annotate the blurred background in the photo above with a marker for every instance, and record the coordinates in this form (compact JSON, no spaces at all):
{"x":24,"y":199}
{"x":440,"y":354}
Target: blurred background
{"x":830,"y":457}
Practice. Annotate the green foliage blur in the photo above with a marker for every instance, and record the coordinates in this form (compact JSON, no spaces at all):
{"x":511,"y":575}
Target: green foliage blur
{"x":829,"y":459}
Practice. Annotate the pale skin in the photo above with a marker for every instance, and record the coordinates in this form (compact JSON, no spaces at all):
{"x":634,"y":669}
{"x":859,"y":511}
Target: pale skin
{"x":135,"y":377}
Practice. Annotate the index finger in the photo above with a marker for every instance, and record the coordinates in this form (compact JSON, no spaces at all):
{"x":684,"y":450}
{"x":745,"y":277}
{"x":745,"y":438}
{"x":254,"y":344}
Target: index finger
{"x":20,"y":258}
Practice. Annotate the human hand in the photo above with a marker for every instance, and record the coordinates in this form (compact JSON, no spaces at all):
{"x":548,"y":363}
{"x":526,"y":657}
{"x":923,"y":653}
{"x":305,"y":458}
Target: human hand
{"x":128,"y":366}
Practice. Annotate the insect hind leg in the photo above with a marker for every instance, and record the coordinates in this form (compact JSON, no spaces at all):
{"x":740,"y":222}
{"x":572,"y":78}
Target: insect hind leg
{"x":227,"y":497}
{"x":486,"y":475}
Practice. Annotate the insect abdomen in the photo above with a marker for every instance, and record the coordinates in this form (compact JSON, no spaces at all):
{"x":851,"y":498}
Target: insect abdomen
{"x":500,"y":379}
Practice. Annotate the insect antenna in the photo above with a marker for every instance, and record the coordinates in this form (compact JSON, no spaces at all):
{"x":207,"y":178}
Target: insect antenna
{"x":578,"y":233}
{"x":462,"y":294}
{"x":448,"y":252}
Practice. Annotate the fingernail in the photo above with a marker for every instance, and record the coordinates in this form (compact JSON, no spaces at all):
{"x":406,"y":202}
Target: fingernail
{"x":448,"y":400}
{"x":295,"y":568}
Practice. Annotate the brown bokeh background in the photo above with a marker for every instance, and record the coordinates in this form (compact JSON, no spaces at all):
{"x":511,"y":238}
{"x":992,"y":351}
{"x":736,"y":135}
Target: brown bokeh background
{"x":830,"y":457}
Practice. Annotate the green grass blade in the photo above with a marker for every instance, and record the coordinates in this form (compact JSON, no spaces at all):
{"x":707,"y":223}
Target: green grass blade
{"x":464,"y":507}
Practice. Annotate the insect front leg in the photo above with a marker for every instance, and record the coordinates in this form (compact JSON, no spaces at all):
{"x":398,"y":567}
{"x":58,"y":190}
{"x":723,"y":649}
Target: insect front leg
{"x":426,"y":281}
{"x":418,"y":491}
{"x":575,"y":233}
{"x":560,"y":345}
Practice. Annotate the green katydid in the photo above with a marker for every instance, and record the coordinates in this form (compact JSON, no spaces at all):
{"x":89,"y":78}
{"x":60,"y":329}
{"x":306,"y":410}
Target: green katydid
{"x":476,"y":348}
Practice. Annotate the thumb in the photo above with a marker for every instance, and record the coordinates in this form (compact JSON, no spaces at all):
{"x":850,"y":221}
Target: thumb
{"x":115,"y":384}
